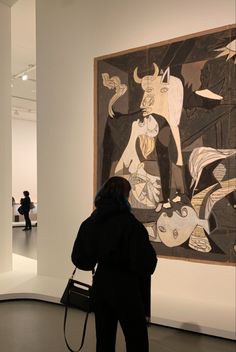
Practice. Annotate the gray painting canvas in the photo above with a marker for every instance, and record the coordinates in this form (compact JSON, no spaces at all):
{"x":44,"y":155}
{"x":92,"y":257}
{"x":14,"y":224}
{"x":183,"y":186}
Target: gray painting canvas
{"x":165,"y":119}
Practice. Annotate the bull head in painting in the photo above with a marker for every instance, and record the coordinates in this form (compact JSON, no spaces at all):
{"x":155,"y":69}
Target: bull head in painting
{"x":163,"y":94}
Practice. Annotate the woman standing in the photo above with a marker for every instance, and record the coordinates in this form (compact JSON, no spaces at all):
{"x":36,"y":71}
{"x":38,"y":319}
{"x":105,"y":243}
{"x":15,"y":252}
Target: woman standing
{"x":25,"y":205}
{"x":114,"y":240}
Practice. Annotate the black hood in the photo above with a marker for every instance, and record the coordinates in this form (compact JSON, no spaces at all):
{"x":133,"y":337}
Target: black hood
{"x":107,"y":207}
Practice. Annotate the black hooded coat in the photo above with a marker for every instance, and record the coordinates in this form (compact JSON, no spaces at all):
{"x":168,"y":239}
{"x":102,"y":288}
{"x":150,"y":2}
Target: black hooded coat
{"x":114,"y":240}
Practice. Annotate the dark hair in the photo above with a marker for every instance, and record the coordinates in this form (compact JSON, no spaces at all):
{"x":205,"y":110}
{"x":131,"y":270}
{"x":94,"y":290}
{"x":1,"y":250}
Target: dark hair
{"x":115,"y":188}
{"x":26,"y":193}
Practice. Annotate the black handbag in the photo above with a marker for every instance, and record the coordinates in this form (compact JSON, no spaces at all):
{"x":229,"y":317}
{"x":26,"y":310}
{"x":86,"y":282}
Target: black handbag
{"x":20,"y":210}
{"x":77,"y":295}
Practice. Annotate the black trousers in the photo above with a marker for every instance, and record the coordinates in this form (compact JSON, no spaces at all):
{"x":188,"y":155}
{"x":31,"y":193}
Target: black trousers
{"x":27,"y":221}
{"x":131,"y":316}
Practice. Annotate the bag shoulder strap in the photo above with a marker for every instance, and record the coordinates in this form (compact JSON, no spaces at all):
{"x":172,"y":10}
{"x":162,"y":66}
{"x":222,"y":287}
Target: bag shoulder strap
{"x":73,"y":273}
{"x":85,"y":321}
{"x":83,"y":335}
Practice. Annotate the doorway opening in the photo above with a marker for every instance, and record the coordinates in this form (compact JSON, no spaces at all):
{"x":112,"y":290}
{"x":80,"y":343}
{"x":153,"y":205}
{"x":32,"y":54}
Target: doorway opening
{"x":24,"y":130}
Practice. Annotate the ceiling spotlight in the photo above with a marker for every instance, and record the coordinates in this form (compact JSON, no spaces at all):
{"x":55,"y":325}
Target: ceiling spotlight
{"x":24,"y":77}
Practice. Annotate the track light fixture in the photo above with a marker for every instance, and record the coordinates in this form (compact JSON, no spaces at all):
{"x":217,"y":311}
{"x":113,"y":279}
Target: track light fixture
{"x":24,"y":77}
{"x":24,"y":74}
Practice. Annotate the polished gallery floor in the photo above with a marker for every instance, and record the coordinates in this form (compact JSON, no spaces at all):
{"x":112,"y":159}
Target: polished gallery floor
{"x":37,"y":326}
{"x":34,"y":326}
{"x":25,"y":242}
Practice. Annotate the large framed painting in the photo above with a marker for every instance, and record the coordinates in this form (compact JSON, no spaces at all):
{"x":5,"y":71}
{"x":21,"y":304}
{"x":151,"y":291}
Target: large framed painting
{"x":165,"y":119}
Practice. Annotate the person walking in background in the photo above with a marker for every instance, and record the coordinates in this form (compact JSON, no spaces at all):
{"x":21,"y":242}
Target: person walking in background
{"x":114,"y":240}
{"x":25,"y":206}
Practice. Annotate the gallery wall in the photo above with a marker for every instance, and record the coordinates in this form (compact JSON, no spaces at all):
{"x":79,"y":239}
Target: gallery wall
{"x":194,"y":296}
{"x":24,"y":158}
{"x":5,"y":139}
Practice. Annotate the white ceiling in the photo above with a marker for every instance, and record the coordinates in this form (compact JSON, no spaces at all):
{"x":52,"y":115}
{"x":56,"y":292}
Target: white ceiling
{"x":23,"y":57}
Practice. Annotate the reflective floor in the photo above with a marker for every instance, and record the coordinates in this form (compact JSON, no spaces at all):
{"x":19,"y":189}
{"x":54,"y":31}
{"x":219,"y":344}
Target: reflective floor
{"x":25,"y":242}
{"x":35,"y":326}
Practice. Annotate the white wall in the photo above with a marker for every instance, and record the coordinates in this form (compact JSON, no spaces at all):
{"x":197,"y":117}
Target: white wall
{"x":69,"y":35}
{"x":8,"y":2}
{"x":24,"y":158}
{"x":5,"y":139}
